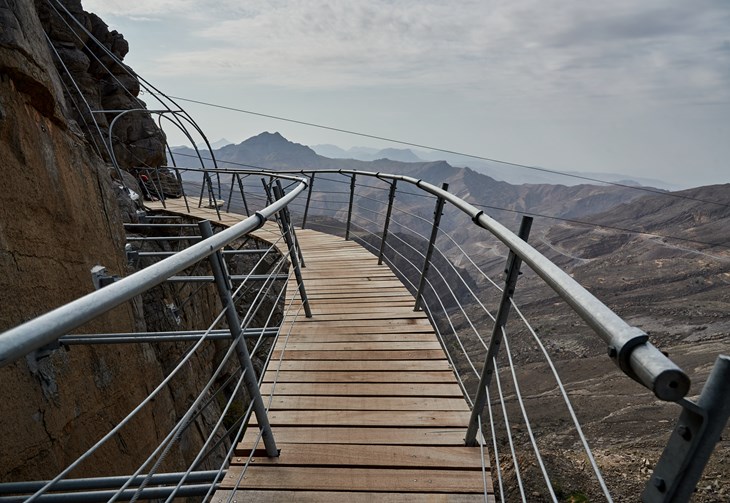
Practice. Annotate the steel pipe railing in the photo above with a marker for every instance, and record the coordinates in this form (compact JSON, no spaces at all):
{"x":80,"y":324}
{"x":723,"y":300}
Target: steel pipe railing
{"x":46,"y":329}
{"x":648,"y":366}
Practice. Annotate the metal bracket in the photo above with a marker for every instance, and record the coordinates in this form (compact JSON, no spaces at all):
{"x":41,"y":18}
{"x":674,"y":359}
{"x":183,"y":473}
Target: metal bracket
{"x":689,"y":447}
{"x":101,"y":278}
{"x":621,"y":355}
{"x":132,"y":255}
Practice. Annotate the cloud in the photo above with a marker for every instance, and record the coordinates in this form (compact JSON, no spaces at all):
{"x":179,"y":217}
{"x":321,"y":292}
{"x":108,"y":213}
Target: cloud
{"x":536,"y":49}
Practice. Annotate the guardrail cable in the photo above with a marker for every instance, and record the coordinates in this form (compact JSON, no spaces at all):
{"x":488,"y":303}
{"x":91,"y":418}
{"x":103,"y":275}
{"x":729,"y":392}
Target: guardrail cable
{"x":481,"y":457}
{"x":508,"y":428}
{"x":176,"y":431}
{"x":129,"y":416}
{"x":215,"y":428}
{"x":568,"y":404}
{"x":521,"y":403}
{"x":434,"y":267}
{"x":479,"y":269}
{"x":453,"y":328}
{"x":466,"y":285}
{"x":271,"y":394}
{"x":495,"y":449}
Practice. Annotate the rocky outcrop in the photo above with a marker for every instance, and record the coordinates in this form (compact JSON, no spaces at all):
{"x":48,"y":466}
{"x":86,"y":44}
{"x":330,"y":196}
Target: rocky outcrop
{"x":59,"y":219}
{"x":89,"y":57}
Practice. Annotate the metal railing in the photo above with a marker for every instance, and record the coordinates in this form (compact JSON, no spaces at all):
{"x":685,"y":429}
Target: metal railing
{"x":363,"y":206}
{"x":407,"y":238}
{"x":245,"y":297}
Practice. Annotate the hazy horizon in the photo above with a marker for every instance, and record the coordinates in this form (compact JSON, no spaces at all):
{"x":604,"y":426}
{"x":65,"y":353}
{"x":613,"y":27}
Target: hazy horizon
{"x":638,"y":88}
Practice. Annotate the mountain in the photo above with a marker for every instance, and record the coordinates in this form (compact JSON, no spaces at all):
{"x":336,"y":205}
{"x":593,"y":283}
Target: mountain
{"x":273,"y":151}
{"x":368,"y":154}
{"x":516,"y":175}
{"x":214,"y":144}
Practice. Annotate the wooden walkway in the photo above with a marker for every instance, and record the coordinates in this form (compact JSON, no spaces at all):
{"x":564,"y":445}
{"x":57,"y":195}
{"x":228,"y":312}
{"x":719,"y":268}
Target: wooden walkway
{"x":363,"y":403}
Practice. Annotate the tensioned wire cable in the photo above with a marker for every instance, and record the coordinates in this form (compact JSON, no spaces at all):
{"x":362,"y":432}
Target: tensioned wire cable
{"x":448,"y":151}
{"x":519,"y":212}
{"x":645,"y":189}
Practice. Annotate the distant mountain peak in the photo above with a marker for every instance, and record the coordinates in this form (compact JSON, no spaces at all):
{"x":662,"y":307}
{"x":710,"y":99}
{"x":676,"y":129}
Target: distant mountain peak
{"x":215,"y":145}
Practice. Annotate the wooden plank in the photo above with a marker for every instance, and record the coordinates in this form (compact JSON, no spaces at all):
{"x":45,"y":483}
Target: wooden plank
{"x":394,"y":322}
{"x":365,"y":389}
{"x":365,"y":403}
{"x":264,"y":496}
{"x":368,"y":294}
{"x":351,"y":435}
{"x":345,"y":455}
{"x":326,"y":328}
{"x":394,"y":286}
{"x":354,"y":282}
{"x":324,"y":315}
{"x":361,"y":365}
{"x":352,"y":376}
{"x":347,"y":272}
{"x":356,"y":479}
{"x":294,"y":345}
{"x":391,"y":310}
{"x":415,"y":354}
{"x":361,"y":337}
{"x":362,"y":299}
{"x":379,"y":418}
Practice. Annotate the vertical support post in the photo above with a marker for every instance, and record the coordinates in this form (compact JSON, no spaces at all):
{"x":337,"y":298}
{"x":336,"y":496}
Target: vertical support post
{"x":160,"y":191}
{"x":202,"y":188}
{"x":267,"y":190}
{"x":230,"y":193}
{"x":349,"y":207}
{"x":512,"y":272}
{"x":234,"y":324}
{"x":211,"y":195}
{"x":288,"y":225}
{"x":243,"y":194}
{"x":294,"y":258}
{"x":309,"y":198}
{"x":391,"y":198}
{"x":431,"y":243}
{"x":182,"y":188}
{"x":694,"y":438}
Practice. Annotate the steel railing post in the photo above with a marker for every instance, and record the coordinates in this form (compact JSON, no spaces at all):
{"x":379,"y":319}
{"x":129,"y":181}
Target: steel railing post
{"x":309,"y":198}
{"x":293,"y":255}
{"x":208,"y":182}
{"x":267,"y":190}
{"x":391,"y":198}
{"x":698,"y":430}
{"x":202,"y":188}
{"x":182,"y":188}
{"x":431,"y":243}
{"x":288,"y":225}
{"x":243,"y":194}
{"x":230,"y":193}
{"x":349,"y":206}
{"x":512,"y":272}
{"x":160,"y":191}
{"x":234,"y":324}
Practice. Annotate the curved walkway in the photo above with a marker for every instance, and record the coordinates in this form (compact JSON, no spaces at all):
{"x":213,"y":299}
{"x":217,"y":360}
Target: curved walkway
{"x":363,"y":403}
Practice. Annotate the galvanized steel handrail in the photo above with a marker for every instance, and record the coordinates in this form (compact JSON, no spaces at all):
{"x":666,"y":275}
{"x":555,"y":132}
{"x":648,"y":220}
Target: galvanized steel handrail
{"x":628,"y":346}
{"x":47,"y":328}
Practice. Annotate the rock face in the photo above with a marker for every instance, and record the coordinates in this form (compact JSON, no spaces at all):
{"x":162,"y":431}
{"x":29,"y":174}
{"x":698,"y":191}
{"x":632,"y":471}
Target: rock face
{"x":58,"y":219}
{"x":89,"y":60}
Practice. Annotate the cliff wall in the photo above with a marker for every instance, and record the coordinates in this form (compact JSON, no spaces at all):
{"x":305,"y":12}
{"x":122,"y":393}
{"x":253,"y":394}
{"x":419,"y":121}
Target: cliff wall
{"x":59,"y":217}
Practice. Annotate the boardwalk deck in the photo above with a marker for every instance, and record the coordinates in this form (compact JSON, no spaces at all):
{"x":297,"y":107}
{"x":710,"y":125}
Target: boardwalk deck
{"x":362,"y":401}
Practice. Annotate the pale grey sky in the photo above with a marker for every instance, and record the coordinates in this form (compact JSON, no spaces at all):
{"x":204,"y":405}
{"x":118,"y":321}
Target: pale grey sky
{"x":634,"y":87}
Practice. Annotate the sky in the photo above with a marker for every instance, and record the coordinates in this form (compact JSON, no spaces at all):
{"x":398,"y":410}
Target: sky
{"x":640,"y":88}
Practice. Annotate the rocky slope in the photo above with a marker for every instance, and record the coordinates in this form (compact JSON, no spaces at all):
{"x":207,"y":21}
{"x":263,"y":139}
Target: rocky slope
{"x":676,"y":289}
{"x":60,"y":218}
